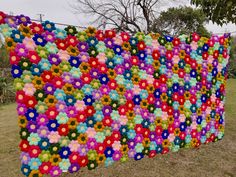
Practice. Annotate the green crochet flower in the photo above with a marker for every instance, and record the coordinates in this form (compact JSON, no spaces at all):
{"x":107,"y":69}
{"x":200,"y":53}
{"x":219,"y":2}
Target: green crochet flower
{"x":44,"y":156}
{"x":92,"y":154}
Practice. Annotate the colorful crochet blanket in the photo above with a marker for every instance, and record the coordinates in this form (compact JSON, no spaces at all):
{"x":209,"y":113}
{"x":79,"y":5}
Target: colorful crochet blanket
{"x":92,"y":97}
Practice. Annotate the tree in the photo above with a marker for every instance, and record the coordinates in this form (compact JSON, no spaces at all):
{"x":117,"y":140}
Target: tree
{"x":232,"y":59}
{"x":220,"y":12}
{"x":122,"y":15}
{"x":4,"y":59}
{"x":181,"y":20}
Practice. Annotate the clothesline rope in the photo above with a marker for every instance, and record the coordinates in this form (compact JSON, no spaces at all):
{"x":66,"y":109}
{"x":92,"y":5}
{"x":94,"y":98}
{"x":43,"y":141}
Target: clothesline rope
{"x":84,"y":27}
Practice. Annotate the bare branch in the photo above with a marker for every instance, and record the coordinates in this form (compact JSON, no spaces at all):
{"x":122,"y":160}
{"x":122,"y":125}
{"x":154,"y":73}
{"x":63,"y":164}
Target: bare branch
{"x":129,"y":15}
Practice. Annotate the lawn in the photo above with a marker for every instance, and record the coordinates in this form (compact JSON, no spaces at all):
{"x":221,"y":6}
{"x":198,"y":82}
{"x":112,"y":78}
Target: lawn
{"x":213,"y":160}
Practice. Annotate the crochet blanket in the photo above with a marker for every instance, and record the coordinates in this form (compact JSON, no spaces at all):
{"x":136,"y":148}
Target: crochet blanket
{"x":92,"y":97}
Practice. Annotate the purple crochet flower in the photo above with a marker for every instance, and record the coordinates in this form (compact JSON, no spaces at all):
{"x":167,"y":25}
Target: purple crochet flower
{"x":158,"y":103}
{"x":159,"y":140}
{"x":71,"y":111}
{"x":176,"y":114}
{"x":96,"y":94}
{"x":125,"y":55}
{"x":21,"y":109}
{"x":83,"y":46}
{"x":83,"y":150}
{"x":149,"y":69}
{"x":169,"y":64}
{"x":129,"y":94}
{"x":54,"y":59}
{"x":91,"y":143}
{"x":215,"y":63}
{"x":131,"y":153}
{"x":119,"y":69}
{"x":55,"y":171}
{"x":11,"y":21}
{"x":116,"y":155}
{"x":149,"y":50}
{"x":142,"y":65}
{"x":145,"y":113}
{"x":203,"y":131}
{"x":188,"y":49}
{"x":74,"y":167}
{"x":21,"y":50}
{"x":152,"y":136}
{"x":67,"y":77}
{"x":181,"y":90}
{"x":182,"y":46}
{"x":49,"y":36}
{"x":77,"y":83}
{"x":198,"y":86}
{"x":131,"y":144}
{"x":175,"y":51}
{"x":107,"y":110}
{"x":25,"y":158}
{"x":187,"y":78}
{"x":163,"y":88}
{"x":209,"y":85}
{"x":152,"y":117}
{"x":109,"y":43}
{"x":137,"y":109}
{"x":138,"y":138}
{"x":61,"y":106}
{"x":104,"y":89}
{"x":162,"y":50}
{"x":49,"y":88}
{"x":32,"y":126}
{"x":83,"y":57}
{"x":94,"y":73}
{"x":169,"y":74}
{"x":22,"y":19}
{"x":42,"y":120}
{"x":127,"y":64}
{"x":176,"y":123}
{"x":116,"y":125}
{"x":43,"y":131}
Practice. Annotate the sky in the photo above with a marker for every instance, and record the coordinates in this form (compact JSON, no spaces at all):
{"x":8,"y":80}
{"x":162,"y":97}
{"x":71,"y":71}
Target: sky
{"x":61,"y":11}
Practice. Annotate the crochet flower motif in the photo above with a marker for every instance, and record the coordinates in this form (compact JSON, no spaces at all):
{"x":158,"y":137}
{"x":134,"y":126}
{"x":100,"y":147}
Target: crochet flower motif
{"x":94,"y":97}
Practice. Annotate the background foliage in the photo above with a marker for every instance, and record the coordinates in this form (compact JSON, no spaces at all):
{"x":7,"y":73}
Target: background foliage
{"x":220,"y":12}
{"x":181,"y":20}
{"x":7,"y":93}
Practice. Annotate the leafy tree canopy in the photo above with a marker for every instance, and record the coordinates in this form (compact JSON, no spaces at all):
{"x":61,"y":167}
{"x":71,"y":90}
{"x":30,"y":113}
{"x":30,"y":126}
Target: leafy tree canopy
{"x":220,"y":12}
{"x":181,"y":20}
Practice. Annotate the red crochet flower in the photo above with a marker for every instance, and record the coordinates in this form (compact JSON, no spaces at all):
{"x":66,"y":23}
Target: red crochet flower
{"x":63,"y":130}
{"x":74,"y":157}
{"x":52,"y":112}
{"x":100,"y":35}
{"x":24,"y":145}
{"x":34,"y":151}
{"x":47,"y":76}
{"x":14,"y":58}
{"x":58,"y":82}
{"x":45,"y":167}
{"x":36,"y":28}
{"x":34,"y":57}
{"x":83,"y":161}
{"x":2,"y":17}
{"x":30,"y":101}
{"x":61,"y":44}
{"x":110,"y":33}
{"x":20,"y":96}
{"x":72,"y":40}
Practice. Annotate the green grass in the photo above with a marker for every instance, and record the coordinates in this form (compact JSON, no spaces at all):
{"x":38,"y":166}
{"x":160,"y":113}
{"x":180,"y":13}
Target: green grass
{"x":213,"y":159}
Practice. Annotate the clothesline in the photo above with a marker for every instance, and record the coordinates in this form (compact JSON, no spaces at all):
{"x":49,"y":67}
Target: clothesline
{"x":84,"y":27}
